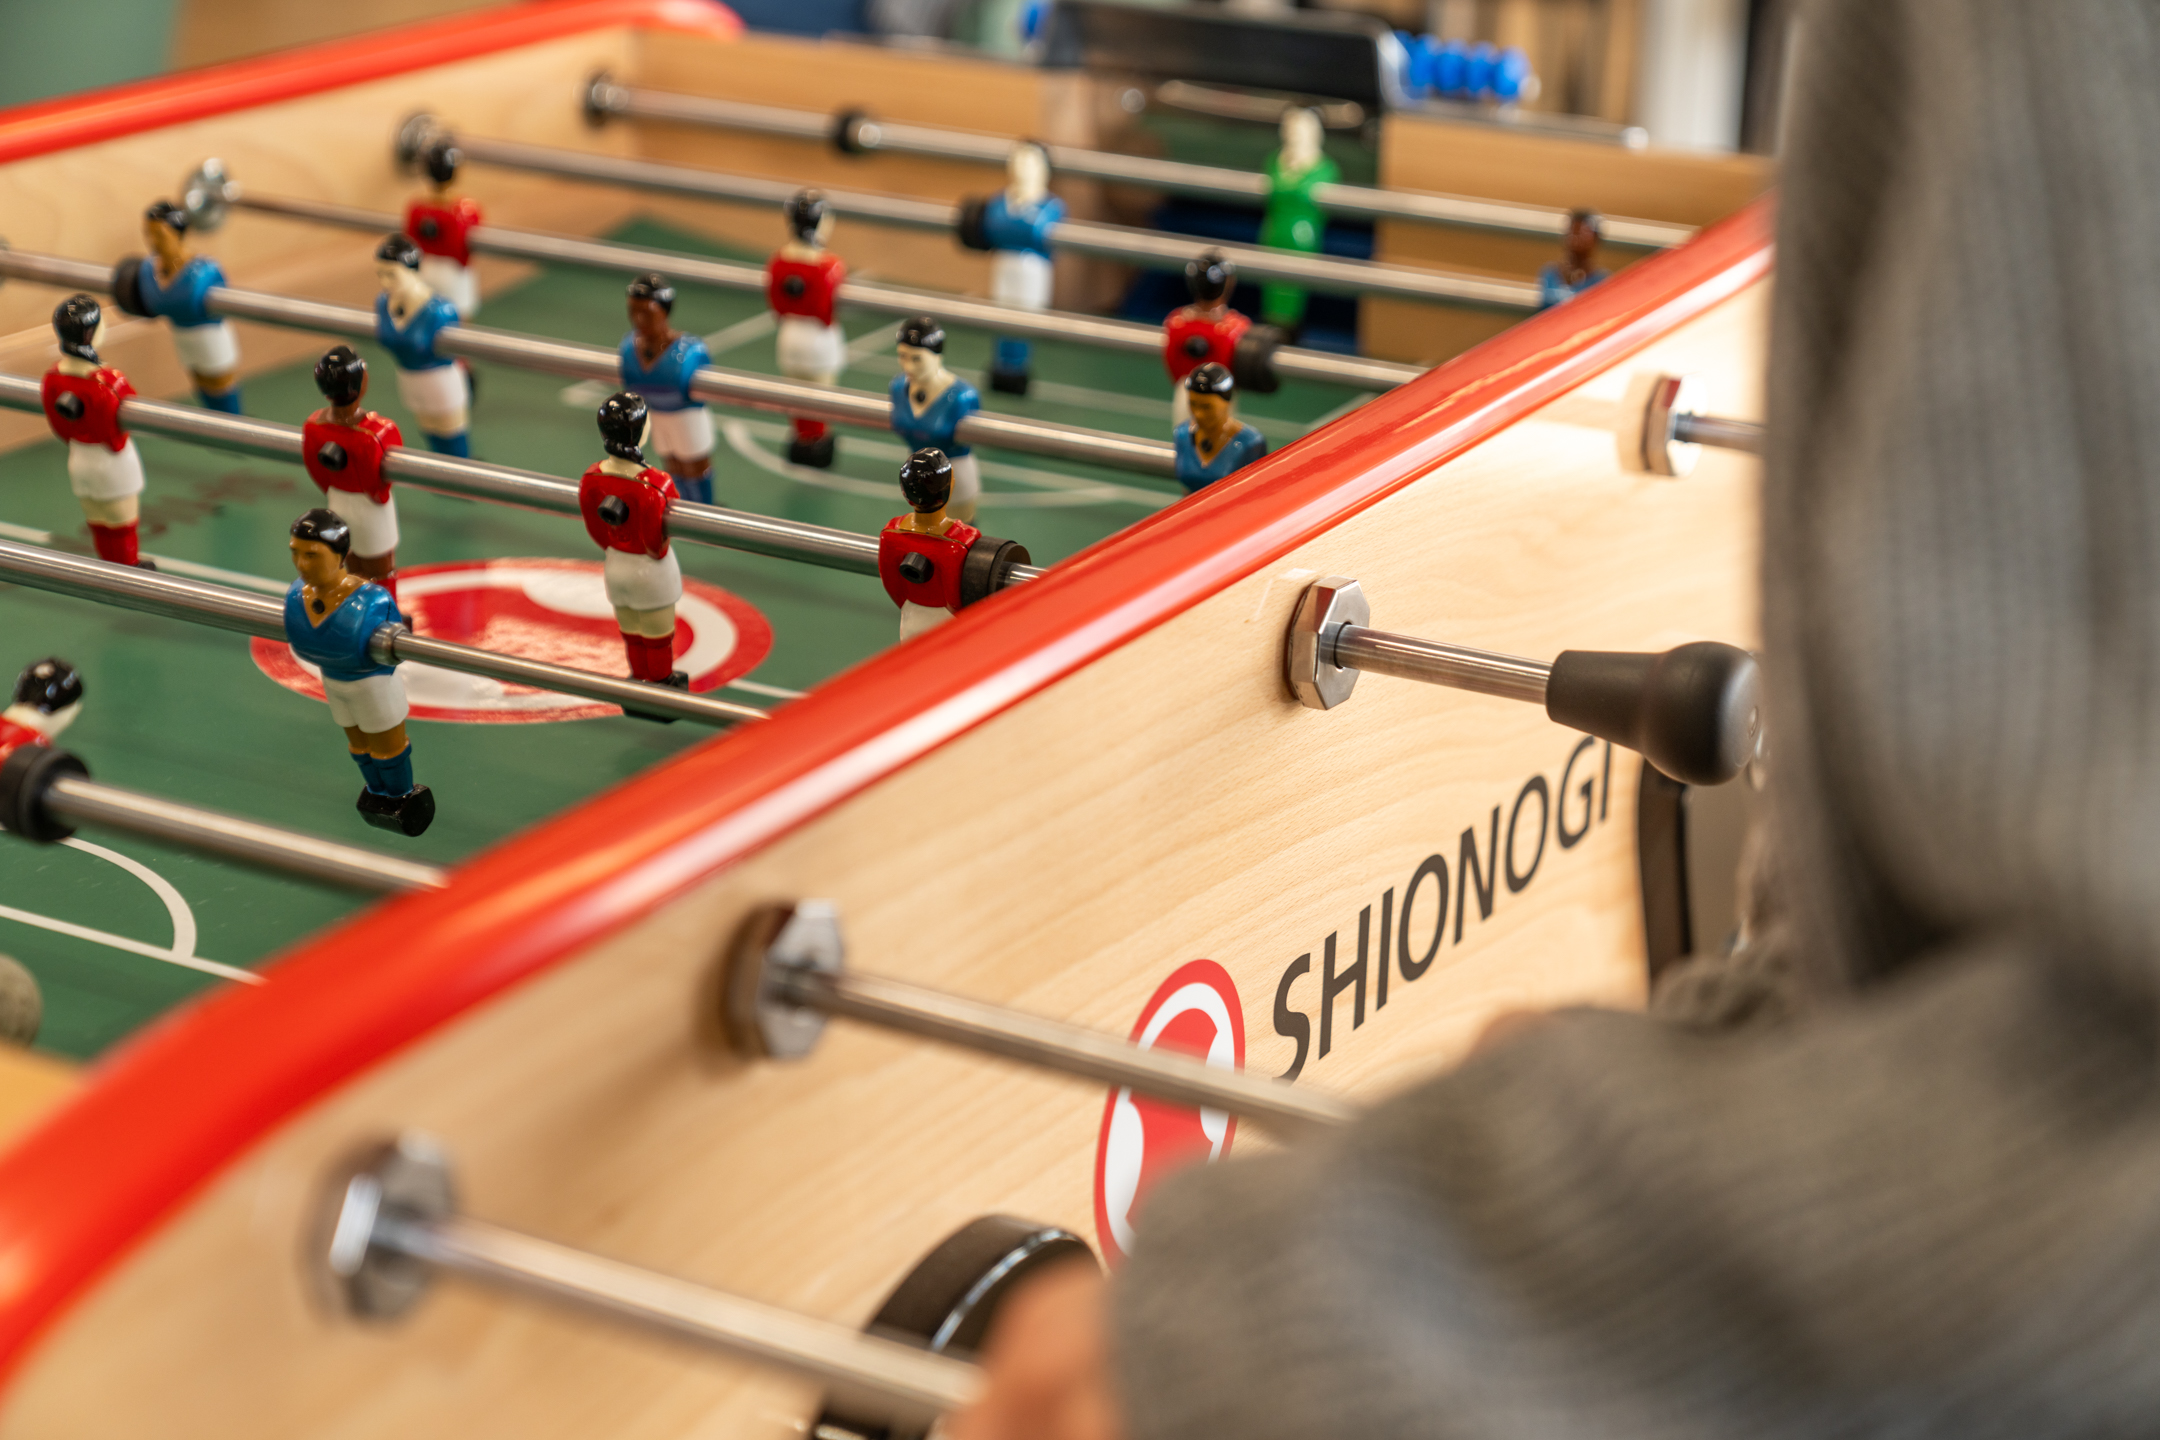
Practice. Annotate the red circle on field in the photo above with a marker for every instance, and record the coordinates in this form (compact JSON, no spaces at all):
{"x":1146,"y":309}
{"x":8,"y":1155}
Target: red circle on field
{"x":1197,"y":1011}
{"x":554,"y":610}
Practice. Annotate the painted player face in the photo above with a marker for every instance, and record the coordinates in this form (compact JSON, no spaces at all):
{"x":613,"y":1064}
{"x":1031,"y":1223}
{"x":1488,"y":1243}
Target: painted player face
{"x":650,"y":322}
{"x":919,"y":365}
{"x":391,"y":276}
{"x":1210,"y":413}
{"x":1582,"y":243}
{"x":1027,"y":175}
{"x":1300,"y":137}
{"x":164,"y":243}
{"x":319,"y":566}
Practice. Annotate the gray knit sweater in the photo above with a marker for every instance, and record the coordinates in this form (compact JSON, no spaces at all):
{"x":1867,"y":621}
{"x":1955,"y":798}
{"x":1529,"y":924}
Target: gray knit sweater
{"x":1929,"y":1205}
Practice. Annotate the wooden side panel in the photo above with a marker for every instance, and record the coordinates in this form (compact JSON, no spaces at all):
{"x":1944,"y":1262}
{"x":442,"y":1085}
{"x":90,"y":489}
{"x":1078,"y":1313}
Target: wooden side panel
{"x":1167,"y":802}
{"x":1449,"y":157}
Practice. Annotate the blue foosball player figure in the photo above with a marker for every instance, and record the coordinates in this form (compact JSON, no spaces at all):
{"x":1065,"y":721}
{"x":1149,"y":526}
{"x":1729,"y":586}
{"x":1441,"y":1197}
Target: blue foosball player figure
{"x":928,"y":404}
{"x":170,"y":285}
{"x":1014,"y":225}
{"x":658,"y":363}
{"x":330,"y":615}
{"x":1576,"y":269}
{"x":408,"y":317}
{"x":1214,"y":443}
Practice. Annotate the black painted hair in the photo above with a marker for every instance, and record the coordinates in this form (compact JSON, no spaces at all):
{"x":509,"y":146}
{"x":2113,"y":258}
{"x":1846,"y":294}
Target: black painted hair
{"x":169,"y":215}
{"x":1211,"y":379}
{"x":441,"y":161}
{"x":49,"y":685}
{"x":325,"y":527}
{"x":1587,"y":217}
{"x":341,"y":374}
{"x":1210,"y":276}
{"x":654,"y":288}
{"x":926,"y":480}
{"x":923,"y":333}
{"x":399,"y":250}
{"x":805,"y":212}
{"x":622,"y":425}
{"x":75,"y":320}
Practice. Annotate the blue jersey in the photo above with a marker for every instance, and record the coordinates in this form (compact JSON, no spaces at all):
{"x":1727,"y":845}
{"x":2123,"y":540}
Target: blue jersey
{"x":1245,"y":447}
{"x":340,"y":644}
{"x":181,"y":301}
{"x":938,"y":420}
{"x":413,"y":348}
{"x":1029,"y":229}
{"x":1552,"y":289}
{"x":665,"y":383}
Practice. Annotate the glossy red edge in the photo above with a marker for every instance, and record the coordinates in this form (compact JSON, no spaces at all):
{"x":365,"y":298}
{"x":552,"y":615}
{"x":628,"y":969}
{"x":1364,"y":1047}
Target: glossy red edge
{"x":45,"y":126}
{"x":162,"y":1116}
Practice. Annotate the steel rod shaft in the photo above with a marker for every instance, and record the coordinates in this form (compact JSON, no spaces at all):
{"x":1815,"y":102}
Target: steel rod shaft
{"x":902,"y":1382}
{"x":86,"y":802}
{"x":1744,"y":435}
{"x":1455,"y":666}
{"x":1071,"y":1049}
{"x":864,"y":133}
{"x":172,"y":596}
{"x":855,"y":295}
{"x":476,"y":479}
{"x":590,"y":362}
{"x":1149,"y":248}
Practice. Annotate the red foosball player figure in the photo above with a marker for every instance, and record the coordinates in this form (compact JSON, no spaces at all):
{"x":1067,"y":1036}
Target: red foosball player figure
{"x":1208,"y":329}
{"x":801,"y":281}
{"x":48,"y":697}
{"x":441,"y":226}
{"x":82,"y":404}
{"x":921,"y":555}
{"x":625,"y":503}
{"x":343,"y":447}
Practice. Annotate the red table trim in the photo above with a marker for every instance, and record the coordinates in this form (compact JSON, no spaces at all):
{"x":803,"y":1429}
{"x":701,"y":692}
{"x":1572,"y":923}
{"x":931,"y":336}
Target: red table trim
{"x":173,"y":1107}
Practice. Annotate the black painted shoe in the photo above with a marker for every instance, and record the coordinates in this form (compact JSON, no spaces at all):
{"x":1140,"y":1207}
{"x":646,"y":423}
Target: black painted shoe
{"x":817,"y":453}
{"x":145,"y":563}
{"x":1008,"y":382}
{"x":408,"y":814}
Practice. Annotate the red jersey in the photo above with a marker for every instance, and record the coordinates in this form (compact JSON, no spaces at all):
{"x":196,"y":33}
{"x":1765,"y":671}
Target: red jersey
{"x":1190,"y":340}
{"x":945,"y":553}
{"x":804,"y":287}
{"x":627,"y":512}
{"x":13,"y":737}
{"x":442,"y":229}
{"x":349,"y":457}
{"x":86,"y":408}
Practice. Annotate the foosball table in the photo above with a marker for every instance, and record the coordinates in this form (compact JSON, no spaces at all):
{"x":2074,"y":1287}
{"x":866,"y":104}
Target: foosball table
{"x":819,"y":984}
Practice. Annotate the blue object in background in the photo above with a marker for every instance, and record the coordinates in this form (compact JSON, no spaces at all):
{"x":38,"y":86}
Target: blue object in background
{"x":800,"y":17}
{"x":1460,"y":70}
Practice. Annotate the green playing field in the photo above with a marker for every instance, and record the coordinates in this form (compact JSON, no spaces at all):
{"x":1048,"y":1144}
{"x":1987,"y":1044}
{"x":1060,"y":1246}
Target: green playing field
{"x":118,"y":929}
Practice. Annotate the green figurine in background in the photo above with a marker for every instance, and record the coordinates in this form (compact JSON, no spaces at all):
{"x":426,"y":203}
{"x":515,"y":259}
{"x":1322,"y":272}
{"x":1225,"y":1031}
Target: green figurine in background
{"x":1294,"y":221}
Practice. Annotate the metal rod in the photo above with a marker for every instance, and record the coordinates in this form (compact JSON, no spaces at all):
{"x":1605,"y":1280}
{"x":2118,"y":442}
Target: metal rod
{"x":856,"y":295}
{"x":862,"y":133}
{"x":476,"y":479}
{"x":86,"y":802}
{"x":1071,"y":1049}
{"x":1455,"y":666}
{"x":1149,"y":248}
{"x":1743,"y":435}
{"x":590,"y":362}
{"x":906,"y":1383}
{"x":177,"y":598}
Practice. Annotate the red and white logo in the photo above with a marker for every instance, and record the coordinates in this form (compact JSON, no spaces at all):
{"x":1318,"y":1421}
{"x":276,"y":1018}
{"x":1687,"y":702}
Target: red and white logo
{"x":555,"y":610}
{"x":1196,"y":1010}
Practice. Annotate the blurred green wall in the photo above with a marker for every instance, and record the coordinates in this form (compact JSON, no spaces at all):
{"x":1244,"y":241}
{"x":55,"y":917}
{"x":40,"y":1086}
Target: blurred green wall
{"x":52,"y":47}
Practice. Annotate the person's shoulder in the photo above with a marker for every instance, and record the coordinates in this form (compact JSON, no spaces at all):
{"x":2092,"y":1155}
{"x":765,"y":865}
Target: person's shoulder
{"x":690,"y":350}
{"x":1182,"y":434}
{"x":965,"y":395}
{"x":898,"y":387}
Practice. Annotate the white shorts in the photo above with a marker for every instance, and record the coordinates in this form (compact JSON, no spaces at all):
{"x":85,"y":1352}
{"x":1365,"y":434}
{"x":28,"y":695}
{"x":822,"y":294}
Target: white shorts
{"x":914,"y":619}
{"x":371,"y":705}
{"x":639,"y":582}
{"x":96,"y":473}
{"x":1020,"y":277}
{"x":374,"y":527}
{"x":207,"y":349}
{"x":454,"y":282}
{"x":966,"y":479}
{"x":437,"y":391}
{"x":684,"y":434}
{"x":810,"y":351}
